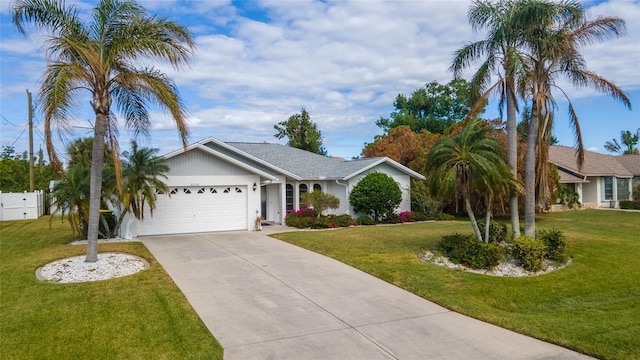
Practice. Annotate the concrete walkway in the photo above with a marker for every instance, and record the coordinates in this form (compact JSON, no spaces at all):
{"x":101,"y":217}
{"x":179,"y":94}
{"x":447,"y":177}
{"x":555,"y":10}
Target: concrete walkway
{"x":266,"y":299}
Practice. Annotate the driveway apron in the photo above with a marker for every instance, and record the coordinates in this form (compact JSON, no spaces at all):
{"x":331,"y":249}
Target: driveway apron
{"x":263,"y":298}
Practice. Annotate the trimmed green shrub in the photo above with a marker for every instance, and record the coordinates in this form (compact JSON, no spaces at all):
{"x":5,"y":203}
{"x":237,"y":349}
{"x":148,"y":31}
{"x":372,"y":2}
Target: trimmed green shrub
{"x":365,"y":220}
{"x":629,"y":205}
{"x":497,"y":231}
{"x":556,"y":244}
{"x":377,"y":195}
{"x":391,"y":218}
{"x":466,"y":250}
{"x":341,"y":220}
{"x":530,"y":252}
{"x":304,"y":218}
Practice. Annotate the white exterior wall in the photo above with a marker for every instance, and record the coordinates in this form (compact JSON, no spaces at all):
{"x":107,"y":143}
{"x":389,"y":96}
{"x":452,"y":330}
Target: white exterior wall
{"x":591,"y":191}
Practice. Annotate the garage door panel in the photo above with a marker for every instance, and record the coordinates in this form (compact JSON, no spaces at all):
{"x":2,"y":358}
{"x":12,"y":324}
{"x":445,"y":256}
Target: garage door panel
{"x":198,"y":209}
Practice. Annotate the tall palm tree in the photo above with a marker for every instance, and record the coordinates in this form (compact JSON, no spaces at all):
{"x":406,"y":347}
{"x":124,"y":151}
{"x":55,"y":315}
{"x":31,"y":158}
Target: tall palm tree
{"x":627,"y":144}
{"x":501,"y":53}
{"x":107,"y":56}
{"x":553,"y":37}
{"x":142,"y":172}
{"x":466,"y":163}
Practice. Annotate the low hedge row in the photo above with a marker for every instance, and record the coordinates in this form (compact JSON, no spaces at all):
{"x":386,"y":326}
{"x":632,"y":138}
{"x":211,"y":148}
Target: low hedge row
{"x":629,"y":205}
{"x":305,"y":218}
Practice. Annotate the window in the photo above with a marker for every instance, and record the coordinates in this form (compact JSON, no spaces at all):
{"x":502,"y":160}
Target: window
{"x":622,"y":186}
{"x":238,"y":190}
{"x":289,"y":197}
{"x":159,"y":192}
{"x":317,"y":187}
{"x":201,"y":191}
{"x":213,"y":191}
{"x":227,"y":190}
{"x":607,"y":188}
{"x":301,"y":190}
{"x":174,"y":191}
{"x":186,"y":191}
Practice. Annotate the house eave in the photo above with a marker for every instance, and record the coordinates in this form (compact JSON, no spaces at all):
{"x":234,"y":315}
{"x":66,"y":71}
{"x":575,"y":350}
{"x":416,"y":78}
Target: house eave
{"x":391,"y":162}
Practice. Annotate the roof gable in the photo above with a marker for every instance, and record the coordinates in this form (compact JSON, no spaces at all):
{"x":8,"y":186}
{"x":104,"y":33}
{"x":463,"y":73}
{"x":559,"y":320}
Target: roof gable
{"x":241,"y":164}
{"x":595,"y":164}
{"x":631,"y":162}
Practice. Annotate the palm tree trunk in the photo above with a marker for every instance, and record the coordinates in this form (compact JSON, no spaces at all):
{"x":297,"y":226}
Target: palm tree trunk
{"x":512,"y":154}
{"x":472,"y":217}
{"x":487,"y":221}
{"x":530,"y":173}
{"x":97,"y":161}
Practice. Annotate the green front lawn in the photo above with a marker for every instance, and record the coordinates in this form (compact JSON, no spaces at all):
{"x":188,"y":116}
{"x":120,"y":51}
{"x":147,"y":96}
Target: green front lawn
{"x":143,"y":316}
{"x":592,"y":306}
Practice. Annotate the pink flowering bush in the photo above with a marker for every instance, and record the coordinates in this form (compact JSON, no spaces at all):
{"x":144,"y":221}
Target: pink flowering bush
{"x":407,"y":216}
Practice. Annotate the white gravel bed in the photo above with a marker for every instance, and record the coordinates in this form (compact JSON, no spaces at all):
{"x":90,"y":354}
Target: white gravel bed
{"x":75,"y":269}
{"x":102,"y":241}
{"x":504,"y":268}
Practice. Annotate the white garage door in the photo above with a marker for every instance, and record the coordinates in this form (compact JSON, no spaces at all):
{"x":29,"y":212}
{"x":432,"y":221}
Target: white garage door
{"x":197,"y":209}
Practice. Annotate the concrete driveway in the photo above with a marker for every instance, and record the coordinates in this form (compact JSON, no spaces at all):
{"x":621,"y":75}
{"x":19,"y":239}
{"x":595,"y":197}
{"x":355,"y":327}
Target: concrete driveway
{"x":266,"y":299}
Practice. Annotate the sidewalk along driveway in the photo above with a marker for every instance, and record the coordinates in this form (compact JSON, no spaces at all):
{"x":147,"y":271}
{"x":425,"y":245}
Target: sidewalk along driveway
{"x":266,"y":299}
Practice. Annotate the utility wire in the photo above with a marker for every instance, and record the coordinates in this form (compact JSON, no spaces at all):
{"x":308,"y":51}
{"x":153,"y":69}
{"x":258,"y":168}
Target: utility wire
{"x":19,"y":136}
{"x":7,"y":122}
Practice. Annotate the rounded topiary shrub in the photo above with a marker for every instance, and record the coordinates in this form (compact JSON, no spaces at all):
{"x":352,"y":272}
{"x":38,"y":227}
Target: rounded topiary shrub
{"x":530,"y":252}
{"x":376,"y":195}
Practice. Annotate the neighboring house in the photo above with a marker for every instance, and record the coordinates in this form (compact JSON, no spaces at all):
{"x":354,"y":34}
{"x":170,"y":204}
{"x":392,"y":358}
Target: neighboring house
{"x":218,"y":186}
{"x":603,"y":180}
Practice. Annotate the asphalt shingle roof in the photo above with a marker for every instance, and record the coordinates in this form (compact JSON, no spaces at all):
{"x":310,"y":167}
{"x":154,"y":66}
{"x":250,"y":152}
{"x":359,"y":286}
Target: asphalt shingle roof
{"x":304,"y":164}
{"x":631,"y":162}
{"x":595,"y":164}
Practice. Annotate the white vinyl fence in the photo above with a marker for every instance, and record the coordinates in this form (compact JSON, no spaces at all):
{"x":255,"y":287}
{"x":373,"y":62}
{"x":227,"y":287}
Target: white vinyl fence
{"x":21,"y":206}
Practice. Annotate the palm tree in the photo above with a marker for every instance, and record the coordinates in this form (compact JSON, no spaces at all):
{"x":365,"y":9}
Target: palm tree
{"x":106,"y":56}
{"x":71,"y":196}
{"x":142,"y":173}
{"x":554,"y":33}
{"x":466,"y":163}
{"x":628,"y":139}
{"x":501,"y":54}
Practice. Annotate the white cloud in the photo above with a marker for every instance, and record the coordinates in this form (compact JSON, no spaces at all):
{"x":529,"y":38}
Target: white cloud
{"x":344,"y":61}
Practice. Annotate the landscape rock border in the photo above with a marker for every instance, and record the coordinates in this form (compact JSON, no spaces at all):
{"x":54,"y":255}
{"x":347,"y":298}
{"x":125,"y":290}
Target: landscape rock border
{"x":504,"y":268}
{"x":74,"y":269}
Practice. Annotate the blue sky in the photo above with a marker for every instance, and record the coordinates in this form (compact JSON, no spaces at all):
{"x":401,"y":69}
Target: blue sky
{"x":258,"y":62}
